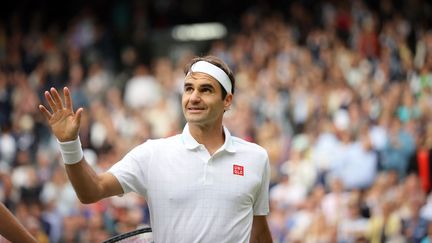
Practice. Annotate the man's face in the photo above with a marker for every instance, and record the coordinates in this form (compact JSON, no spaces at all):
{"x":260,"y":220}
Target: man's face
{"x":202,"y":99}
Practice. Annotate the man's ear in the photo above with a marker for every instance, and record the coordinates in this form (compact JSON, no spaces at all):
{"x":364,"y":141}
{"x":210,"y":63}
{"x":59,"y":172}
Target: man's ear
{"x":228,"y":101}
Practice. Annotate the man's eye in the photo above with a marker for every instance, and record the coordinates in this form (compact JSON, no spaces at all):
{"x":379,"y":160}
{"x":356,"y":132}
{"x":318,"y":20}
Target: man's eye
{"x":188,"y":89}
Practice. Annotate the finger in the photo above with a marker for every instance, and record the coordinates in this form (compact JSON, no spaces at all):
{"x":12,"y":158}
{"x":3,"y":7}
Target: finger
{"x":50,"y":101}
{"x":78,"y":115}
{"x":45,"y":112}
{"x":68,"y":99}
{"x":57,"y":99}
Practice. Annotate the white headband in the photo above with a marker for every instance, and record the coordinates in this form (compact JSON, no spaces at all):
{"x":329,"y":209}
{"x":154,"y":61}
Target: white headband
{"x":215,"y":72}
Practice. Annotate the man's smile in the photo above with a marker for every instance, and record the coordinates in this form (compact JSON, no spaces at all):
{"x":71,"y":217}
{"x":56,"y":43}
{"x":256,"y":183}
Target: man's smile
{"x":195,"y":109}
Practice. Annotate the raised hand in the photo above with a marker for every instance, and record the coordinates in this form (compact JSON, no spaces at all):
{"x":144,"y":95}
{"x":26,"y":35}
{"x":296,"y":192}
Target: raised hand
{"x":64,"y":122}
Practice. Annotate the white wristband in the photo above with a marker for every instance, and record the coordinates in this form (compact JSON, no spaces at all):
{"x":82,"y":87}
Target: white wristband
{"x":71,"y":151}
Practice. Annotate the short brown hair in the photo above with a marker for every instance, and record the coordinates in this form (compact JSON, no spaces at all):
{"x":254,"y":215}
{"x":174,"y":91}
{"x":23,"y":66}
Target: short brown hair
{"x":217,"y":62}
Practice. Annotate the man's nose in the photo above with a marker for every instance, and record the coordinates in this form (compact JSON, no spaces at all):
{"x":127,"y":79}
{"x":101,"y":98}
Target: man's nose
{"x":195,"y":96}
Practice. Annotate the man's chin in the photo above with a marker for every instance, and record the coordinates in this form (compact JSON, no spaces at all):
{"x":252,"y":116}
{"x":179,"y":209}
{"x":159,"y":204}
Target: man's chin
{"x":193,"y":120}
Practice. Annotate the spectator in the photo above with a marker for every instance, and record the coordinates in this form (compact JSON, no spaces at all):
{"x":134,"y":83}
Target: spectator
{"x":384,"y":225}
{"x":353,"y":227}
{"x":415,"y":227}
{"x":142,"y":81}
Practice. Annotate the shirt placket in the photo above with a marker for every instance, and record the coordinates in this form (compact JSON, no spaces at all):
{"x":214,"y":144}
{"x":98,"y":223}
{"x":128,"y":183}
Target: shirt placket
{"x":208,"y":165}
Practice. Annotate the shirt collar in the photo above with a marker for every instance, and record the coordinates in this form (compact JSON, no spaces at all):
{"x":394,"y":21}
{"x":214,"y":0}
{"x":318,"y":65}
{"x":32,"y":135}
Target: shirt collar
{"x":191,"y":143}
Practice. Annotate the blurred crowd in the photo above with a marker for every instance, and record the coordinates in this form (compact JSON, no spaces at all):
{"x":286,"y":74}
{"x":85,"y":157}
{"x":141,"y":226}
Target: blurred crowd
{"x":340,"y":95}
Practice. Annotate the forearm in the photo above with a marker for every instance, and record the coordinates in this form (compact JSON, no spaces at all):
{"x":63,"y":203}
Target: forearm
{"x":264,"y":237}
{"x":260,"y":231}
{"x":11,"y":229}
{"x":89,"y":186}
{"x":85,"y":181}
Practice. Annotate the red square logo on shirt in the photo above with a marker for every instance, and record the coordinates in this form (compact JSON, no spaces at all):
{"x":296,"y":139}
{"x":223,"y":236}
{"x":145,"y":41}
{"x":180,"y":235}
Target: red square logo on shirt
{"x":238,"y":170}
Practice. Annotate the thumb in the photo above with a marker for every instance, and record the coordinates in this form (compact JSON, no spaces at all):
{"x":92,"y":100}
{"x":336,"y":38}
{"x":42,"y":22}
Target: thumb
{"x":78,"y":114}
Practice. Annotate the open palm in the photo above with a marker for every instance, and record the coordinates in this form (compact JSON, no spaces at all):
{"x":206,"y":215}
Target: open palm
{"x":64,"y":122}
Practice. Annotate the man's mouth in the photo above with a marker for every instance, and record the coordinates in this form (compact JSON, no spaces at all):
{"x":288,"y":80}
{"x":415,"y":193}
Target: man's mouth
{"x":195,"y":109}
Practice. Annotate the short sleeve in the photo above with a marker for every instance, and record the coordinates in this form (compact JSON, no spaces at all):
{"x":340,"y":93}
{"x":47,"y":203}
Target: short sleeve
{"x":261,"y":204}
{"x":132,"y":170}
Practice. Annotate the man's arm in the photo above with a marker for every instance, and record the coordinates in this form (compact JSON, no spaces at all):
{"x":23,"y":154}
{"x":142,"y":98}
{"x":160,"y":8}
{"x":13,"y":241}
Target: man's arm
{"x":260,"y":230}
{"x":11,"y":229}
{"x":65,"y":123}
{"x":89,"y":186}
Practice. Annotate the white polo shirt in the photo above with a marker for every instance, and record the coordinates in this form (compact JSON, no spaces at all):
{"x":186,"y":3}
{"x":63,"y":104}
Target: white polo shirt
{"x":195,"y":197}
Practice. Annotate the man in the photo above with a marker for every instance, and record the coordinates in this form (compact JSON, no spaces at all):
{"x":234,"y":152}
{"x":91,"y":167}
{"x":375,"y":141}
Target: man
{"x":11,"y":228}
{"x":203,"y":185}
